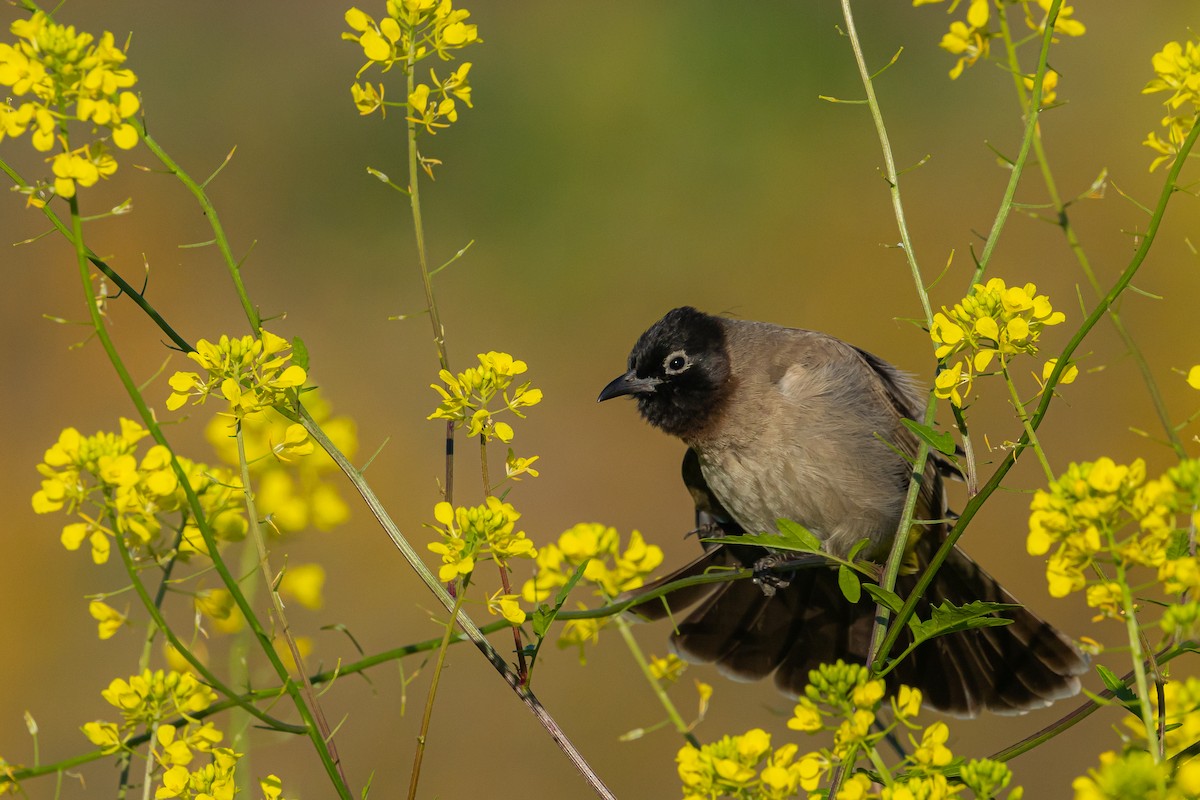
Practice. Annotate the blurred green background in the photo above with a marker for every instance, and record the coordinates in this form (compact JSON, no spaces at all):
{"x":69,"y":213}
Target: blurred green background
{"x":622,"y":158}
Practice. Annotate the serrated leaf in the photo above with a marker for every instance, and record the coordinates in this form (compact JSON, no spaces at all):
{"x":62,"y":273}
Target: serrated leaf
{"x":1124,"y":694}
{"x":949,"y":618}
{"x":799,"y":537}
{"x":299,"y":353}
{"x":942,"y":441}
{"x":849,"y":583}
{"x":541,"y":618}
{"x":1178,"y":545}
{"x":889,"y":600}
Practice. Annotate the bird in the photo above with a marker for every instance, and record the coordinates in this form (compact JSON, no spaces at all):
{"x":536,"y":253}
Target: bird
{"x":791,"y":424}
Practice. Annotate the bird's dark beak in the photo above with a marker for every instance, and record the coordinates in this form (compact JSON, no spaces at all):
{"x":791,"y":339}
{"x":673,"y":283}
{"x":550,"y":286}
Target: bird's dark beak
{"x":629,"y":383}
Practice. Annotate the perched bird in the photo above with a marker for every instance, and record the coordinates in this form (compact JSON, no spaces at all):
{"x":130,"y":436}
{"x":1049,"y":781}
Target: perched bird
{"x":783,"y":423}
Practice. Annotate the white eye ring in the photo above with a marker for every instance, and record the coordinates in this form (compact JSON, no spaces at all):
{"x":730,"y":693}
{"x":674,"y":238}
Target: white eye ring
{"x":676,"y":362}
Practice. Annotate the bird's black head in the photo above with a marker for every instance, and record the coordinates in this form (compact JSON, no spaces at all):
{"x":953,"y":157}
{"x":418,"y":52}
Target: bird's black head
{"x":679,"y":371}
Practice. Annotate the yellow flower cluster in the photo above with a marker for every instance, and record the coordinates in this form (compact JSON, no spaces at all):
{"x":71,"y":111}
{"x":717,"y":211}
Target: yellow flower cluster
{"x":148,"y":700}
{"x":609,"y":568}
{"x":1177,"y":70}
{"x":968,"y":39}
{"x":994,"y":320}
{"x":1102,"y":512}
{"x":213,"y":781}
{"x":745,"y":767}
{"x":64,"y":74}
{"x":1135,"y":774}
{"x":845,"y":699}
{"x":99,"y":480}
{"x":412,"y":31}
{"x":292,"y":477}
{"x":252,"y":373}
{"x":154,"y":696}
{"x":468,"y":395}
{"x":471,"y":534}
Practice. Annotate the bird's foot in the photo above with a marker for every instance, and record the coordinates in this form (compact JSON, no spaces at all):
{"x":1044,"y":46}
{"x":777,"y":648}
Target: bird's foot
{"x":766,"y":576}
{"x":709,"y":530}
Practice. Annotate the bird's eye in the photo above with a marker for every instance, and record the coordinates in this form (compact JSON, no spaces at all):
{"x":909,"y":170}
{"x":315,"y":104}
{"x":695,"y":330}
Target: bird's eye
{"x":676,"y":362}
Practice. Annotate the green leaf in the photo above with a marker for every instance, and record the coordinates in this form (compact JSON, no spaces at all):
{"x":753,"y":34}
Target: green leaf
{"x":299,"y":353}
{"x":542,"y":616}
{"x":858,"y":548}
{"x":800,"y":537}
{"x":889,"y":600}
{"x":800,"y":541}
{"x":942,"y":441}
{"x":1179,"y":545}
{"x":1125,"y":694}
{"x":849,"y":583}
{"x":561,"y":597}
{"x":949,"y":618}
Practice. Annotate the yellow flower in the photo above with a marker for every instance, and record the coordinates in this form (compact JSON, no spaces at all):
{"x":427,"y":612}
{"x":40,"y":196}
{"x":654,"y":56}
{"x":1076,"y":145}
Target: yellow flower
{"x":1064,"y":24}
{"x":368,"y":98}
{"x":507,"y":606}
{"x":968,"y":43}
{"x":109,"y":618}
{"x":1177,"y":67}
{"x":806,"y":717}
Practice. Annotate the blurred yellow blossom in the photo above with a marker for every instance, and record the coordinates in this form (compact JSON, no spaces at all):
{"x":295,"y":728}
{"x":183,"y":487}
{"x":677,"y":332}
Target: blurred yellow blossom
{"x":304,"y":584}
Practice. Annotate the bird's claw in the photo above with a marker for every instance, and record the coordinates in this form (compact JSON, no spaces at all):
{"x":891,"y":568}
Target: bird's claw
{"x":765,"y":575}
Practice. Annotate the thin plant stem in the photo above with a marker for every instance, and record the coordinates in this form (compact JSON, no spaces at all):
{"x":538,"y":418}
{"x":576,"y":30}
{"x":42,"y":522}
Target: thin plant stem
{"x":1139,"y":668}
{"x":664,"y":699}
{"x":210,"y":213}
{"x":1170,"y":186}
{"x":1030,"y":433}
{"x":900,"y":541}
{"x":464,"y":622}
{"x":152,"y":425}
{"x":427,"y":715}
{"x":1063,"y":220}
{"x":260,"y":546}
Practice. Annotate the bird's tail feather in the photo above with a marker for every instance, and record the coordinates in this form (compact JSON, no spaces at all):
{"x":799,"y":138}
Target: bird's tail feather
{"x":748,"y":635}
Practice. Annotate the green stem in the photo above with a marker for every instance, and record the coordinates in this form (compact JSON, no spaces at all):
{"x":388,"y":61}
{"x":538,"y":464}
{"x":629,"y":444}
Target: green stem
{"x":1027,"y":140}
{"x":133,"y":294}
{"x":656,"y":686}
{"x":260,"y":546}
{"x":427,"y":716}
{"x":210,"y":213}
{"x":973,"y":504}
{"x":900,"y":541}
{"x":466,"y":623}
{"x":893,"y":176}
{"x":1064,"y":222}
{"x":1030,"y":432}
{"x":152,"y":425}
{"x":1139,"y":668}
